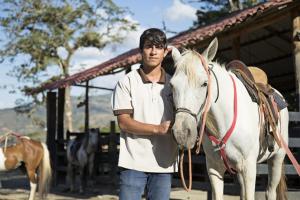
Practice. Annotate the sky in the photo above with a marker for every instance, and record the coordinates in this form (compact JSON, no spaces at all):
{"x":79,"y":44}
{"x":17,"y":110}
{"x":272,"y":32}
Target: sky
{"x":177,"y":16}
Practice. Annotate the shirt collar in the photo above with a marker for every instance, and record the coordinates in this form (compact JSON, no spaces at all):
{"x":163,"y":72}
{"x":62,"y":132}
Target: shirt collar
{"x":145,"y":79}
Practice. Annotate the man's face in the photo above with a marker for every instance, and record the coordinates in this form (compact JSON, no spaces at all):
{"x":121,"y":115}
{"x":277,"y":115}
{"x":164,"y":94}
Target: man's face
{"x":153,"y":55}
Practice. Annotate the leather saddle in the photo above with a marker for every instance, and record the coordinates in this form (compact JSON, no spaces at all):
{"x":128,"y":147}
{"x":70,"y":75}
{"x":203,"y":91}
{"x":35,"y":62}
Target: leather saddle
{"x":256,"y":83}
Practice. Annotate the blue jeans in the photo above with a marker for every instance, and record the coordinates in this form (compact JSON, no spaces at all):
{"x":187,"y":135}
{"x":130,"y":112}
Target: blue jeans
{"x":133,"y":184}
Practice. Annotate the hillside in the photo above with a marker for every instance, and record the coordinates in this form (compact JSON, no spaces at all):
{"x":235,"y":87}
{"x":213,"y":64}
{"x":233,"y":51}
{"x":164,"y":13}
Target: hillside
{"x":100,"y":116}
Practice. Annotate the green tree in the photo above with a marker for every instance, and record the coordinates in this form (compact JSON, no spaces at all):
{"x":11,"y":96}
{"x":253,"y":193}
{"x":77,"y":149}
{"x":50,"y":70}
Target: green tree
{"x":212,"y":10}
{"x":36,"y":29}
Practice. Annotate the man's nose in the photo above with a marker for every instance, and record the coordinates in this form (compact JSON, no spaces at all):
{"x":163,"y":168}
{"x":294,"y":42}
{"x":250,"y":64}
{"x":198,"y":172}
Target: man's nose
{"x":153,"y":49}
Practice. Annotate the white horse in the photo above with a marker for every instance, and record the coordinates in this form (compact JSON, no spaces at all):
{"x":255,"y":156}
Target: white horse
{"x":243,"y":148}
{"x":81,"y":154}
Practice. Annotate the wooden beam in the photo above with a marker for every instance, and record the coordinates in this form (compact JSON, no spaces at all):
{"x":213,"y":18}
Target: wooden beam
{"x":236,"y":48}
{"x":244,"y":28}
{"x":270,"y":60}
{"x":296,"y":53}
{"x":60,"y":117}
{"x":278,"y":33}
{"x":86,"y":123}
{"x":93,"y":87}
{"x":294,"y":116}
{"x":51,"y":126}
{"x":260,"y":39}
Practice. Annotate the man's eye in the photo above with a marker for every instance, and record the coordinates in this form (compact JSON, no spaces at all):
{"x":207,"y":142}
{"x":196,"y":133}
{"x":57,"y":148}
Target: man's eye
{"x":159,"y":47}
{"x":204,"y":84}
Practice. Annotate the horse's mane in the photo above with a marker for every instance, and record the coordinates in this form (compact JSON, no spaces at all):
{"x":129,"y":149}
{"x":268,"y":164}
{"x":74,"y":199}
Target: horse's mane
{"x":188,"y":63}
{"x":189,"y":58}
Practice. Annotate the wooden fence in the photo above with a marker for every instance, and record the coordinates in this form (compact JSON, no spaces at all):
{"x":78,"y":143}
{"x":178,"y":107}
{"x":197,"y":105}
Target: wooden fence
{"x":107,"y":158}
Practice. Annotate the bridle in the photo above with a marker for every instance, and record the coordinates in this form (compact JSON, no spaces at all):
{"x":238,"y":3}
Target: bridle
{"x":188,"y":111}
{"x":205,"y":107}
{"x":209,"y":71}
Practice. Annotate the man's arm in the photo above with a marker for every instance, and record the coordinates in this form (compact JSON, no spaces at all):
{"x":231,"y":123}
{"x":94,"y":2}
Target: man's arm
{"x":129,"y":125}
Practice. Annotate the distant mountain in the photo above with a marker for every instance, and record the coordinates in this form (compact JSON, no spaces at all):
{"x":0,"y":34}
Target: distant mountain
{"x":100,"y":117}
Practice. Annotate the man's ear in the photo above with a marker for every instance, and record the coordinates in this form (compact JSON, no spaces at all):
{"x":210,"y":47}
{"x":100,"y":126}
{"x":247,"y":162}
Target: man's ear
{"x":166,"y":52}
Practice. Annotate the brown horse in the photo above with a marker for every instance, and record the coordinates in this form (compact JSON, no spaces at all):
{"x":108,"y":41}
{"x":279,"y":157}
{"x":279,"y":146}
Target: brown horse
{"x":35,"y":156}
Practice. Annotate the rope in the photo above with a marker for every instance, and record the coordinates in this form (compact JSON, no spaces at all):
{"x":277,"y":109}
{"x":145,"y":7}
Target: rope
{"x":188,"y":189}
{"x":6,"y":136}
{"x":206,"y":106}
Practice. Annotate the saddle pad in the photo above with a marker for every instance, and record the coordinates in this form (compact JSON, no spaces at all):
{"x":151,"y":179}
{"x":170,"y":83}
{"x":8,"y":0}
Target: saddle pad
{"x":281,"y":103}
{"x":279,"y":100}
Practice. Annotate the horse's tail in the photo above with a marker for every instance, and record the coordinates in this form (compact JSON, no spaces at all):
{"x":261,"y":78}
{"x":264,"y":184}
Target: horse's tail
{"x":45,"y":173}
{"x":282,"y":188}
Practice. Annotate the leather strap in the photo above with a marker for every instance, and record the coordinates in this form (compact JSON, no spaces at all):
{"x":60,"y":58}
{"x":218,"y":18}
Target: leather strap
{"x":222,"y":143}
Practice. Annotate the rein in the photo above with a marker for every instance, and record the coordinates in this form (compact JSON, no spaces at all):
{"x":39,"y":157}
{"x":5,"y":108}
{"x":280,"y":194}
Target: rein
{"x":206,"y":106}
{"x":221,"y":143}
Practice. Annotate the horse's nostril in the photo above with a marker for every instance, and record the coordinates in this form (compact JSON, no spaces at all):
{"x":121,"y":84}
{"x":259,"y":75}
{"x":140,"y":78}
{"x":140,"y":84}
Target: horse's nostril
{"x":188,"y":132}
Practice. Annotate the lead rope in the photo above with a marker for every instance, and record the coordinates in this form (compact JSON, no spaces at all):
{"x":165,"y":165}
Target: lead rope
{"x":188,"y":189}
{"x":201,"y":131}
{"x":206,"y":106}
{"x":288,"y":151}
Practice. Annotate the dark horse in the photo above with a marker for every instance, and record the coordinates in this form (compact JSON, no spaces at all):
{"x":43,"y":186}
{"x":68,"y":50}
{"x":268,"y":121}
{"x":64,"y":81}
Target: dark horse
{"x":35,"y":156}
{"x":80,"y":154}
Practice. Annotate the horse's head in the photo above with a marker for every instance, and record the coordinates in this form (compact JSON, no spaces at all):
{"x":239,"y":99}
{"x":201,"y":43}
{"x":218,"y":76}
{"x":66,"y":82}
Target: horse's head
{"x":93,"y":137}
{"x":190,"y":86}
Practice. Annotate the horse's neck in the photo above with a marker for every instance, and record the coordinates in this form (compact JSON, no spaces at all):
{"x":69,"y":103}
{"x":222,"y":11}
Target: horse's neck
{"x":221,"y":112}
{"x":85,"y":141}
{"x":90,"y":145}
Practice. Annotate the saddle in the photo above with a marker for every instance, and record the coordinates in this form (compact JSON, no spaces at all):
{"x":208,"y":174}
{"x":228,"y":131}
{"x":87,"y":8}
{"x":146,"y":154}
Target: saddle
{"x":270,"y":102}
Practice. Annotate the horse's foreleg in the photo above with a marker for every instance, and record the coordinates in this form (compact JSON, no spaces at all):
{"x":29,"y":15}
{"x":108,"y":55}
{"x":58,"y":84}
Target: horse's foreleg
{"x":249,"y":177}
{"x":216,"y":176}
{"x":274,"y":178}
{"x":82,"y":178}
{"x":91,"y":168}
{"x":71,"y":177}
{"x":242,"y":184}
{"x":33,"y":182}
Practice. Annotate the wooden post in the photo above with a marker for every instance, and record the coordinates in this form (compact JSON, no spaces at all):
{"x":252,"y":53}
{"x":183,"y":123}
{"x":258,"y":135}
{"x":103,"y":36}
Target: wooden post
{"x":60,"y":118}
{"x":51,"y":126}
{"x":112,"y":151}
{"x":296,"y":45}
{"x":86,"y":124}
{"x":60,"y":138}
{"x":236,"y":48}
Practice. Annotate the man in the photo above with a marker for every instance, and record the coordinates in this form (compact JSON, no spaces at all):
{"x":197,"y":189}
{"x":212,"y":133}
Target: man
{"x":142,"y":102}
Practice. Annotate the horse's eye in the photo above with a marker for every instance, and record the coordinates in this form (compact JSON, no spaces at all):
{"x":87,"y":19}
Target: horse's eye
{"x":204,"y":84}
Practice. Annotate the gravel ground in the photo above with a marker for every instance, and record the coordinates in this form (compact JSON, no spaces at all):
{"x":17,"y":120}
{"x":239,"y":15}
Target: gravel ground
{"x":15,"y":186}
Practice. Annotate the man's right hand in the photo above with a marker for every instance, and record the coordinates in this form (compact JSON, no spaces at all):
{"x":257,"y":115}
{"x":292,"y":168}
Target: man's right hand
{"x":164,"y":128}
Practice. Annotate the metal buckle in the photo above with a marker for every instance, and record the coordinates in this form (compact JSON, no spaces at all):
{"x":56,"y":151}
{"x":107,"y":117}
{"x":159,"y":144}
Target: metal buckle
{"x":220,"y":146}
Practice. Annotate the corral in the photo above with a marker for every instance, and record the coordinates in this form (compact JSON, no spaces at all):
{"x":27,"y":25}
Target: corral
{"x":267,"y":36}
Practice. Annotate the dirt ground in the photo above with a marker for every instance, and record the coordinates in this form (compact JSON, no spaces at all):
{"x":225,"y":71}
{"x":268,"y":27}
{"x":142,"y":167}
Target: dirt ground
{"x":15,"y":186}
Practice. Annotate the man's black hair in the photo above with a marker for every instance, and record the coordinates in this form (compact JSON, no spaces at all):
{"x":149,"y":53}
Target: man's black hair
{"x":155,"y":36}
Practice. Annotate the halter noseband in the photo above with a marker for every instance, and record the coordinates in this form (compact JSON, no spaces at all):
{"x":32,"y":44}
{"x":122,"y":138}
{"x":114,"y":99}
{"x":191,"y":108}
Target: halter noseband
{"x":185,"y":110}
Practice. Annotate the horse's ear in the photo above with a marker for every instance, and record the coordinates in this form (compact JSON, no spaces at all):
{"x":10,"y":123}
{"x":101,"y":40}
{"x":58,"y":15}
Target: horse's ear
{"x":211,"y":50}
{"x":175,"y":53}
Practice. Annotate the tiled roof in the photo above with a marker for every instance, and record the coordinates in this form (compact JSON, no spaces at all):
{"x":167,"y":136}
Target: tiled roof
{"x":186,"y":38}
